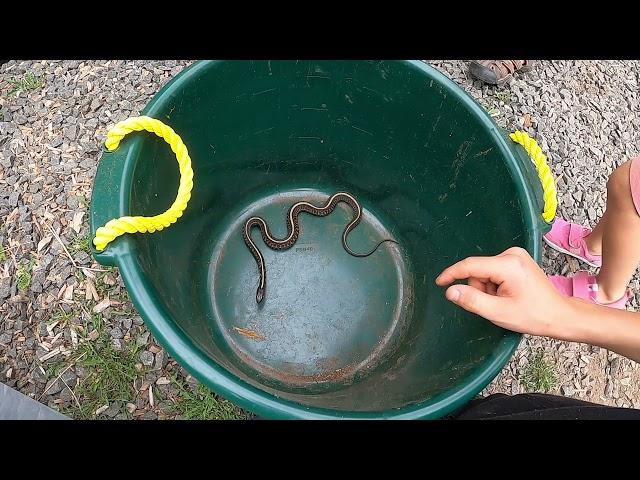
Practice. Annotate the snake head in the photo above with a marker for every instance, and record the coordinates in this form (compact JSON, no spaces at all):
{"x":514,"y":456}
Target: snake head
{"x":260,"y":294}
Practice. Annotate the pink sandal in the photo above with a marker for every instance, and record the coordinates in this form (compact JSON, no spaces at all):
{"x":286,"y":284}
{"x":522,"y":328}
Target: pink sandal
{"x":568,"y":238}
{"x":583,"y":285}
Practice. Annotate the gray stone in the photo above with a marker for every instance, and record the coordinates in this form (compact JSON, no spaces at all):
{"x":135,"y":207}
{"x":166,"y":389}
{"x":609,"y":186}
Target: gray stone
{"x":69,"y":377}
{"x":54,"y":386}
{"x":82,"y":257}
{"x":71,"y":132}
{"x":65,"y":394}
{"x":95,"y":104}
{"x":116,"y":333}
{"x":13,"y":199}
{"x":142,"y":339}
{"x":73,"y":202}
{"x":150,"y":416}
{"x":88,"y":163}
{"x":160,"y":360}
{"x":5,"y":288}
{"x":37,"y":280}
{"x":146,"y":358}
{"x":113,"y":410}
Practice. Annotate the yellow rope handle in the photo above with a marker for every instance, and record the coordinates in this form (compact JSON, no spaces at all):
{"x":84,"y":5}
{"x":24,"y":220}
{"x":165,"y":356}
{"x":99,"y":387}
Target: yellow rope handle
{"x":119,"y":226}
{"x":544,"y":173}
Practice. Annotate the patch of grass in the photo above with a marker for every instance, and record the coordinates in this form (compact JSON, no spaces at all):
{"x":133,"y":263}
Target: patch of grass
{"x":81,"y":243}
{"x":125,"y":309}
{"x":494,"y":112}
{"x":23,"y":276}
{"x":3,"y":255}
{"x":54,"y":368}
{"x":101,"y":287}
{"x":79,"y":275}
{"x":97,"y":322}
{"x":110,"y":373}
{"x":539,"y":375}
{"x":62,"y":317}
{"x":27,"y":83}
{"x":84,"y":202}
{"x":504,"y":96}
{"x":204,"y":405}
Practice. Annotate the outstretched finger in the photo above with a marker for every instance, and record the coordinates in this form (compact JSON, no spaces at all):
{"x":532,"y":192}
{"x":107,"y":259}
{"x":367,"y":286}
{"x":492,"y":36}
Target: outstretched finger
{"x":494,"y":269}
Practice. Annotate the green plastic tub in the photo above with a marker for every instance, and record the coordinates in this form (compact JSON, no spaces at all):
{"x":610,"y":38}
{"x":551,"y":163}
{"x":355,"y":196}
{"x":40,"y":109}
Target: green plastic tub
{"x":336,"y":336}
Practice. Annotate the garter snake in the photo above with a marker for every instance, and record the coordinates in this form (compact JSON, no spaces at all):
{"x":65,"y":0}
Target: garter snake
{"x":293,"y":231}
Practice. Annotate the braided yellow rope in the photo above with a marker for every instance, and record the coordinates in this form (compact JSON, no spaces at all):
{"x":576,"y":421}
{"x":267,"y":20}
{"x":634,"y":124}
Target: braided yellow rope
{"x":119,"y":226}
{"x":544,"y":173}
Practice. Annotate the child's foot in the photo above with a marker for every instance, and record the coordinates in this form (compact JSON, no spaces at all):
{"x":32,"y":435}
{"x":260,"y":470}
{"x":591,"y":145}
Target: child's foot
{"x":583,"y":285}
{"x":498,"y":72}
{"x":569,"y":238}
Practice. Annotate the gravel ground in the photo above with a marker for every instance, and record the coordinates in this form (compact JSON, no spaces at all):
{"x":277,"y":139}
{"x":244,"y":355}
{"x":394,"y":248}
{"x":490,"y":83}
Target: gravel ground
{"x":56,"y":313}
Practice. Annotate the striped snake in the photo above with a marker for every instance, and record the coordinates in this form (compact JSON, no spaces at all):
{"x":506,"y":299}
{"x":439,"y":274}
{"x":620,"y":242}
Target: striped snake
{"x":293,"y":230}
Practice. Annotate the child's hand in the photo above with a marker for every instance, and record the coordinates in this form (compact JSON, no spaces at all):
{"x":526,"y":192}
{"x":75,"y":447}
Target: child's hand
{"x":509,"y":289}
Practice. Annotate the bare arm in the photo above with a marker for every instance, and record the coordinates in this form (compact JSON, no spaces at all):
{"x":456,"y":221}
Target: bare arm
{"x":512,"y":291}
{"x":616,"y":330}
